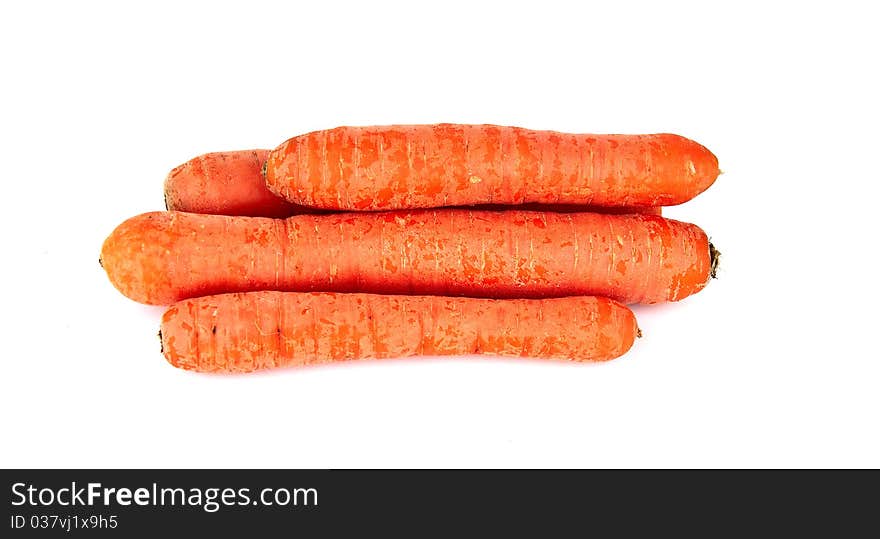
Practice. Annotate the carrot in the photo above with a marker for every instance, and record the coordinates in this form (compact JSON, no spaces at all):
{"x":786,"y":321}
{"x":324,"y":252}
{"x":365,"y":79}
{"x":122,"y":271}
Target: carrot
{"x":228,"y":183}
{"x":163,"y":257}
{"x":232,"y":183}
{"x":426,"y":166}
{"x":259,"y":330}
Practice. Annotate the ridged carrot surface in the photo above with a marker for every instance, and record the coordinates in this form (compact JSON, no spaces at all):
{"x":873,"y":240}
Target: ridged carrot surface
{"x":163,"y":257}
{"x":232,"y":183}
{"x":573,"y":208}
{"x":260,"y":330}
{"x":228,"y":183}
{"x":427,"y":166}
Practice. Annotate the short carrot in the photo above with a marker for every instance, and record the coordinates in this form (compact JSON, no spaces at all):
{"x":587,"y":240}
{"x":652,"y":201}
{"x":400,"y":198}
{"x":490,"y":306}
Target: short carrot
{"x":427,"y":166}
{"x":232,"y":183}
{"x":164,"y":257}
{"x":259,"y":330}
{"x":229,"y":183}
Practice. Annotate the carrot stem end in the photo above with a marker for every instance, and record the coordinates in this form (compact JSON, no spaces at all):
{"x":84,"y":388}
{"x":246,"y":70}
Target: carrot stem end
{"x":714,"y":258}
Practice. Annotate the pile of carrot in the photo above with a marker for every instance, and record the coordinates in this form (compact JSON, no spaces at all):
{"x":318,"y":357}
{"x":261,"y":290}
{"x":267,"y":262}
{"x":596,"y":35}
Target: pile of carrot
{"x":422,"y":240}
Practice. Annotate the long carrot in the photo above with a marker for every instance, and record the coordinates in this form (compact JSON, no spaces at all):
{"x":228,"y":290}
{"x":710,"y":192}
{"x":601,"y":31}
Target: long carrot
{"x":229,"y":183}
{"x":163,"y":257}
{"x":232,"y":183}
{"x":259,"y":330}
{"x":426,"y":166}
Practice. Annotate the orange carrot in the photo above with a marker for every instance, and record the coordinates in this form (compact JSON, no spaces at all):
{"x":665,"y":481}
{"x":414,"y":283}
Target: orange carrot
{"x":232,"y":183}
{"x":259,"y":330}
{"x":163,"y":257}
{"x":228,"y":183}
{"x":426,"y":166}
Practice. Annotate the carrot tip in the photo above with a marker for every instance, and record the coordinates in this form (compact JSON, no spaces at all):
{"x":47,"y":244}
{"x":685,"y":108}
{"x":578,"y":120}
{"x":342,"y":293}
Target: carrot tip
{"x":714,"y":257}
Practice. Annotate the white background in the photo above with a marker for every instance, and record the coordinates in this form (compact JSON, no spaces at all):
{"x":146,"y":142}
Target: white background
{"x":774,"y":364}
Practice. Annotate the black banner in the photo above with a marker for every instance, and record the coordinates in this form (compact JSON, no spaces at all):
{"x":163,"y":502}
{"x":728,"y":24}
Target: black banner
{"x":126,"y":503}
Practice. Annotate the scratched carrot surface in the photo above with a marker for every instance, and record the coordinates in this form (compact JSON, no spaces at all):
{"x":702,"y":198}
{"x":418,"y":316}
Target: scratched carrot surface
{"x":572,"y":208}
{"x":427,"y":166}
{"x":259,"y":330}
{"x":163,"y":257}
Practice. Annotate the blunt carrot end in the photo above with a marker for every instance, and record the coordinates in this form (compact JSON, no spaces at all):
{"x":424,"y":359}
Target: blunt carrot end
{"x":225,"y":183}
{"x":136,"y":253}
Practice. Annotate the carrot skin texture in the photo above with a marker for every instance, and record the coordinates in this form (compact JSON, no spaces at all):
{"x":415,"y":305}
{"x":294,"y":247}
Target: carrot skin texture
{"x":227,"y":183}
{"x":244,"y":332}
{"x":427,"y":166}
{"x":232,"y":183}
{"x":164,"y":257}
{"x":573,"y":208}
